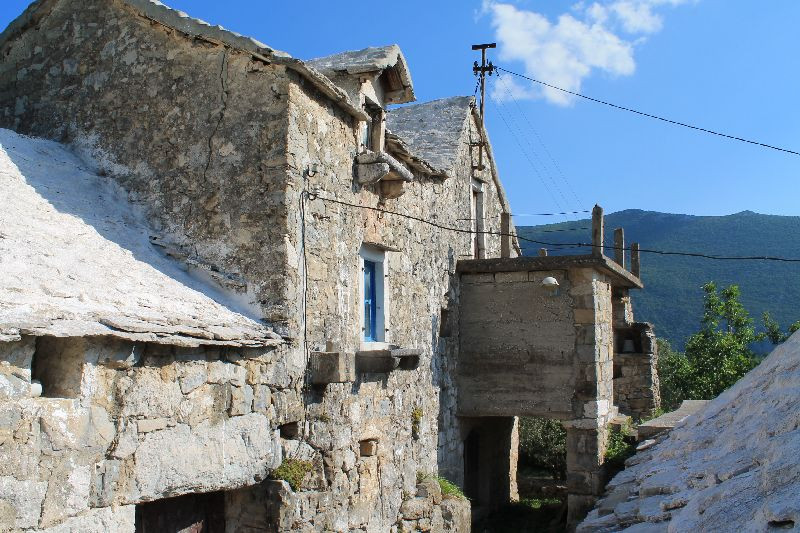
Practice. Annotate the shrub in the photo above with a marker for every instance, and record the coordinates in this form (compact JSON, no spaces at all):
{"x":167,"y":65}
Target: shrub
{"x":618,"y":448}
{"x":293,"y":471}
{"x":543,"y":445}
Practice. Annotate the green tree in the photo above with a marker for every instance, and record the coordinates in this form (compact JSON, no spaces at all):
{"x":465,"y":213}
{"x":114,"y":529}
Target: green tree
{"x":543,"y":445}
{"x":719,"y":354}
{"x":674,"y":374}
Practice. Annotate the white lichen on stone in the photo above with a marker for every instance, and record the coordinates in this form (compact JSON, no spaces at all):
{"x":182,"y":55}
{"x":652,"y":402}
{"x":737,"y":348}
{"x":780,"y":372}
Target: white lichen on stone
{"x":733,"y":464}
{"x":77,"y":260}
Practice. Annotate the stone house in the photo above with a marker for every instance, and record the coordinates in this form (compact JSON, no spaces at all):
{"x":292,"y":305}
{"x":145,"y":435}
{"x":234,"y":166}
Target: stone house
{"x":254,"y":264}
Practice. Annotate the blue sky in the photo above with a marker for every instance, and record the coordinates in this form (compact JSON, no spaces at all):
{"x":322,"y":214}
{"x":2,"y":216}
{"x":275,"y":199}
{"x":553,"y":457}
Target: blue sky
{"x":728,"y":65}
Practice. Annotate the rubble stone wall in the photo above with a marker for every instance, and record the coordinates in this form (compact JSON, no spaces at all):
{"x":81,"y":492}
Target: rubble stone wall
{"x":636,"y":387}
{"x":402,"y":409}
{"x":194,"y":130}
{"x":149,"y":421}
{"x":214,"y":146}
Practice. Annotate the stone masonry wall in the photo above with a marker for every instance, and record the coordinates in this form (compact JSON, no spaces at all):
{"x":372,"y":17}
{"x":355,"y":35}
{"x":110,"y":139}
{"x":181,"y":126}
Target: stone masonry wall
{"x":636,"y":388}
{"x":146,"y":422}
{"x":214,"y":146}
{"x":374,"y":492}
{"x":587,"y":434}
{"x":195,"y":131}
{"x":512,"y":326}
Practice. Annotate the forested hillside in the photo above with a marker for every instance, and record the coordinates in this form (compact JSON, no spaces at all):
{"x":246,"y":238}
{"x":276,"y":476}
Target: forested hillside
{"x":672,"y":298}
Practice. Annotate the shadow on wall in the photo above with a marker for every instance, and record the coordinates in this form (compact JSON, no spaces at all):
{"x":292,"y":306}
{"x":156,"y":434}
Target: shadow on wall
{"x":95,"y":212}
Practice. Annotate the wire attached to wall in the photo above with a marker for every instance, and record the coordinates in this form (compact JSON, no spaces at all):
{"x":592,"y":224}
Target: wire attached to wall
{"x":314,"y":196}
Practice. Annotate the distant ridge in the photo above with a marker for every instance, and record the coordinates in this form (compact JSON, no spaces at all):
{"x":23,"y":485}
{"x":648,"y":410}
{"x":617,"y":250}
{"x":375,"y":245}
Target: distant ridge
{"x":672,"y":298}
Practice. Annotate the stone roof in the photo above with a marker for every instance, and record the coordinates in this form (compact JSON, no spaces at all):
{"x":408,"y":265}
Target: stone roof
{"x":733,"y":465}
{"x":433,"y":130}
{"x":76,"y":260}
{"x":373,"y":59}
{"x":192,"y":27}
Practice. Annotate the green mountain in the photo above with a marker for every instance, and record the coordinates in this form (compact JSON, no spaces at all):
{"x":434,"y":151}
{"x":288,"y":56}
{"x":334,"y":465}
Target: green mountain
{"x":672,"y":298}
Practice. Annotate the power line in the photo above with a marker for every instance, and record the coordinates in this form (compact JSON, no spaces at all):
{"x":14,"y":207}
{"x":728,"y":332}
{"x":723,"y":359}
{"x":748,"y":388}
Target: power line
{"x":550,"y":214}
{"x":656,"y":117}
{"x":560,"y":244}
{"x":520,"y":137}
{"x":530,"y":161}
{"x":538,"y":138}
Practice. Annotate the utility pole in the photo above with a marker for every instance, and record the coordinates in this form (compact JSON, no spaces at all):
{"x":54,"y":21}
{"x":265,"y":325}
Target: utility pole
{"x":481,"y":70}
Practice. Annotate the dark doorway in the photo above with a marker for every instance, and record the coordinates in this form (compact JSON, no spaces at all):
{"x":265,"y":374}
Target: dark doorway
{"x":472,"y":461}
{"x":192,"y":513}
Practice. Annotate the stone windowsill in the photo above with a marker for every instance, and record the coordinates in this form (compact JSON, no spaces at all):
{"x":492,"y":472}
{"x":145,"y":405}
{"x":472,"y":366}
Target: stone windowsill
{"x":383,"y":361}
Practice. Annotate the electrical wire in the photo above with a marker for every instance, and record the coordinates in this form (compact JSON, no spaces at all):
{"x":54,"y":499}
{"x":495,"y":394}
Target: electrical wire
{"x":501,"y":114}
{"x":558,"y":244}
{"x":649,"y":115}
{"x":550,"y":214}
{"x":539,"y":138}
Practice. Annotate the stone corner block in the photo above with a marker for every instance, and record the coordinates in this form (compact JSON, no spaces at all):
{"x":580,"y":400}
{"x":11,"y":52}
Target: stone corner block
{"x":332,"y":367}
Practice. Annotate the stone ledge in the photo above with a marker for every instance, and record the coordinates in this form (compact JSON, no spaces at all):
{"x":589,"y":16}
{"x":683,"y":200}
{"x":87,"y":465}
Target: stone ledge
{"x":385,"y":361}
{"x":332,"y":367}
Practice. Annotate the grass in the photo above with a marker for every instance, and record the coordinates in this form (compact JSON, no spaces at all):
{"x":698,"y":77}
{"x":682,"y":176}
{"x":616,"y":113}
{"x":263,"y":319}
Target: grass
{"x":529,"y":514}
{"x":538,"y":503}
{"x":292,"y":471}
{"x":449,"y":489}
{"x":416,"y":420}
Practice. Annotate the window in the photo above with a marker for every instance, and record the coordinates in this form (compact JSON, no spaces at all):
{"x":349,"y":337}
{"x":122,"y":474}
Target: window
{"x":366,"y":135}
{"x":370,"y":312}
{"x":478,"y":237}
{"x":373,"y":311}
{"x":371,"y":130}
{"x":58,"y":365}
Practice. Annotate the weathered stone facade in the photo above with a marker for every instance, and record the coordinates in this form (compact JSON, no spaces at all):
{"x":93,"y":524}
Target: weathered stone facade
{"x":146,"y":421}
{"x":538,"y":339}
{"x":275,"y":184}
{"x":636,"y":389}
{"x":242,"y":160}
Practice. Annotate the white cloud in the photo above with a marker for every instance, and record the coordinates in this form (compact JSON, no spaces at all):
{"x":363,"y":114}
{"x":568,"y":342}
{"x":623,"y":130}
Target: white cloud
{"x":566,"y":51}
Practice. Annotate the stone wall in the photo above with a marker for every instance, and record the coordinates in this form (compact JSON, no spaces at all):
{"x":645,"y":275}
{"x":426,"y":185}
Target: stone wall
{"x":401,"y":410}
{"x":511,"y":326}
{"x":215,"y":146}
{"x":194,"y":130}
{"x":636,"y":387}
{"x":148,"y":421}
{"x":587,"y":434}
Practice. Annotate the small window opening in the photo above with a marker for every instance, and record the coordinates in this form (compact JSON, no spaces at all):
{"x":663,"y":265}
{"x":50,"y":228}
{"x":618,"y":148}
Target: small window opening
{"x":444,"y":323}
{"x":371,"y":129}
{"x":290,"y":431}
{"x":478,"y":225}
{"x":58,"y":365}
{"x":372,"y":290}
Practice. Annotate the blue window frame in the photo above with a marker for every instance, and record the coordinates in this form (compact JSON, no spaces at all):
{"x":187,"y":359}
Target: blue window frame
{"x":370,"y":302}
